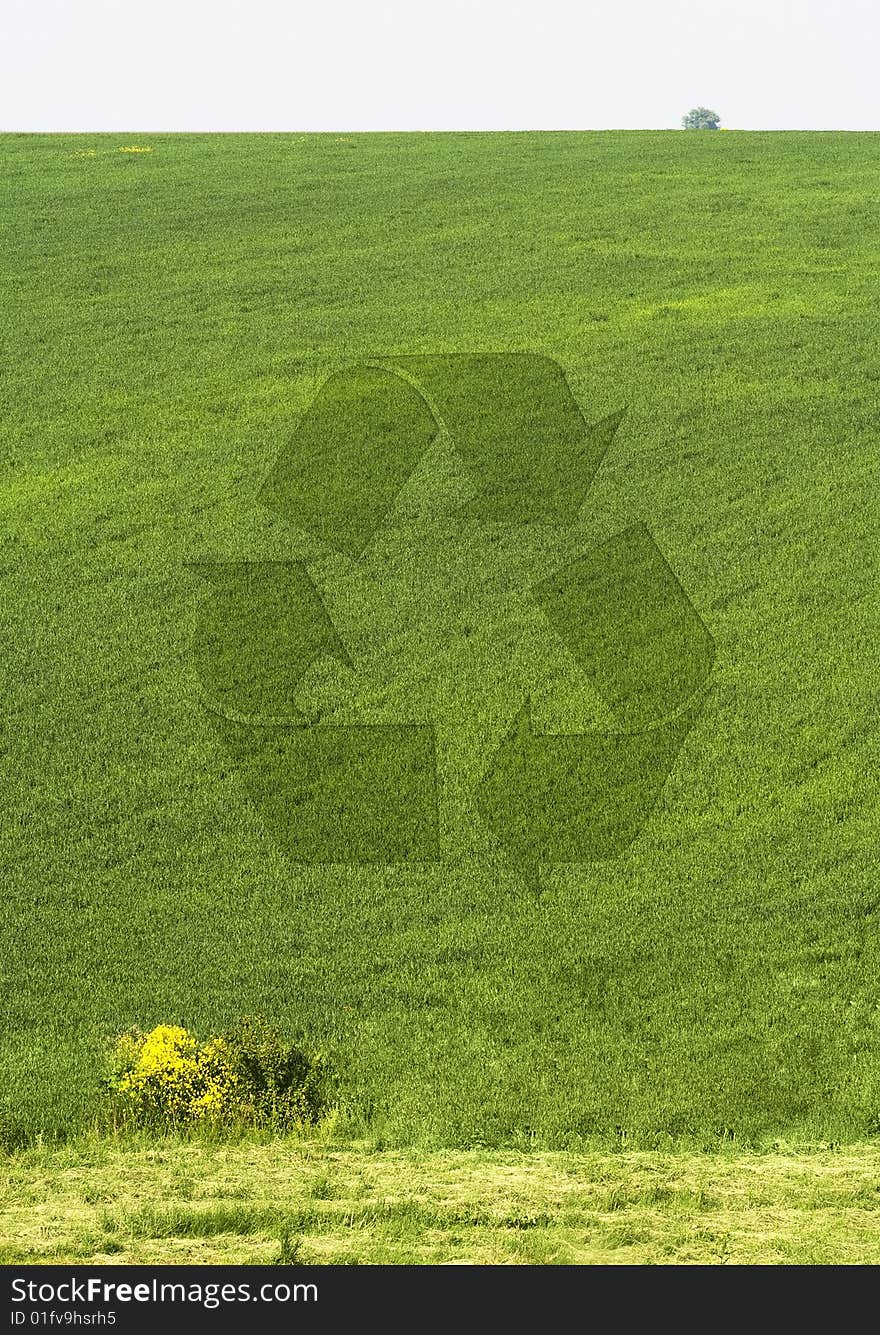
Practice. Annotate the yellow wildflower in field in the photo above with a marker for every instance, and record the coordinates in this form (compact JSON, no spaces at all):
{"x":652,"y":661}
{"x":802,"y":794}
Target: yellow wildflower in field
{"x":84,"y":153}
{"x":167,"y":1050}
{"x":220,"y":1080}
{"x":134,"y":148}
{"x":159,"y":1070}
{"x":167,"y":1075}
{"x":167,"y":1078}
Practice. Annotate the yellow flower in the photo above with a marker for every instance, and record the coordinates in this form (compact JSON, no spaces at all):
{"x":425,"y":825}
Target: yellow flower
{"x":168,"y":1053}
{"x":168,"y":1078}
{"x":135,"y":148}
{"x":211,"y":1103}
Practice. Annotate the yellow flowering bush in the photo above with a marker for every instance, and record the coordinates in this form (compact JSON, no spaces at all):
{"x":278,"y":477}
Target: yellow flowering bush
{"x":250,"y":1076}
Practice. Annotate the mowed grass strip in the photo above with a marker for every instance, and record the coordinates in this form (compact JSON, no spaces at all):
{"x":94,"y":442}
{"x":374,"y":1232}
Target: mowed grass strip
{"x":283,"y":1201}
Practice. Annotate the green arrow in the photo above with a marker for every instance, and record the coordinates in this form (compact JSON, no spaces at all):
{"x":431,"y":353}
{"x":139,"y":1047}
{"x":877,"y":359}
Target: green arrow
{"x":341,"y":794}
{"x":576,"y":797}
{"x":257,"y":633}
{"x":518,"y":429}
{"x":630,"y":625}
{"x":357,"y":443}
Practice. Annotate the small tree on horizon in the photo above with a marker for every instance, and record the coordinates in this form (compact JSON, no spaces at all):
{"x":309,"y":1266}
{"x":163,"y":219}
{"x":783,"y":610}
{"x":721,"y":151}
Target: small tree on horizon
{"x":701,"y":118}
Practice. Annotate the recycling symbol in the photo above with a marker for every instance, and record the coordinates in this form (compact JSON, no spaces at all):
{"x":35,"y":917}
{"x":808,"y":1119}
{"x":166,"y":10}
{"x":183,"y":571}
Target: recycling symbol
{"x":449,"y":663}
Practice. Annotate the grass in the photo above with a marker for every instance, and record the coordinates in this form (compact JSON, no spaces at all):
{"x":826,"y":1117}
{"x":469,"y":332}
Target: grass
{"x":165,"y":318}
{"x":181,"y":1202}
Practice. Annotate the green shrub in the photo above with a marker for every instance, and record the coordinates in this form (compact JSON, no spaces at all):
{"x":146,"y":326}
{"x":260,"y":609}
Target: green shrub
{"x":250,"y":1076}
{"x":282,"y":1084}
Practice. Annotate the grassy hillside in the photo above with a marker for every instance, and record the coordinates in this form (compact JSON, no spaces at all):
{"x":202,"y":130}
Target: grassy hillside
{"x":165,"y":317}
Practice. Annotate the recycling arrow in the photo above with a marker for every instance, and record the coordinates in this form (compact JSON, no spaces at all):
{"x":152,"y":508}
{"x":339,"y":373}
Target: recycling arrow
{"x":576,"y":797}
{"x":512,"y":439}
{"x":257,"y":634}
{"x":328,"y":794}
{"x":622,"y":614}
{"x":628,"y":623}
{"x":369,"y":426}
{"x":519,"y":431}
{"x":362,"y":435}
{"x":341,"y":794}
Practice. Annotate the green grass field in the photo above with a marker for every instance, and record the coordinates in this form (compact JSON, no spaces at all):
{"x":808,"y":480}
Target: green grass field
{"x":166,"y":316}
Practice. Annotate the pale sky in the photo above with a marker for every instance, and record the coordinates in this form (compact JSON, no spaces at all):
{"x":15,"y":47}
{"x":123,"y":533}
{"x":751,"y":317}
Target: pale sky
{"x":89,"y":65}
